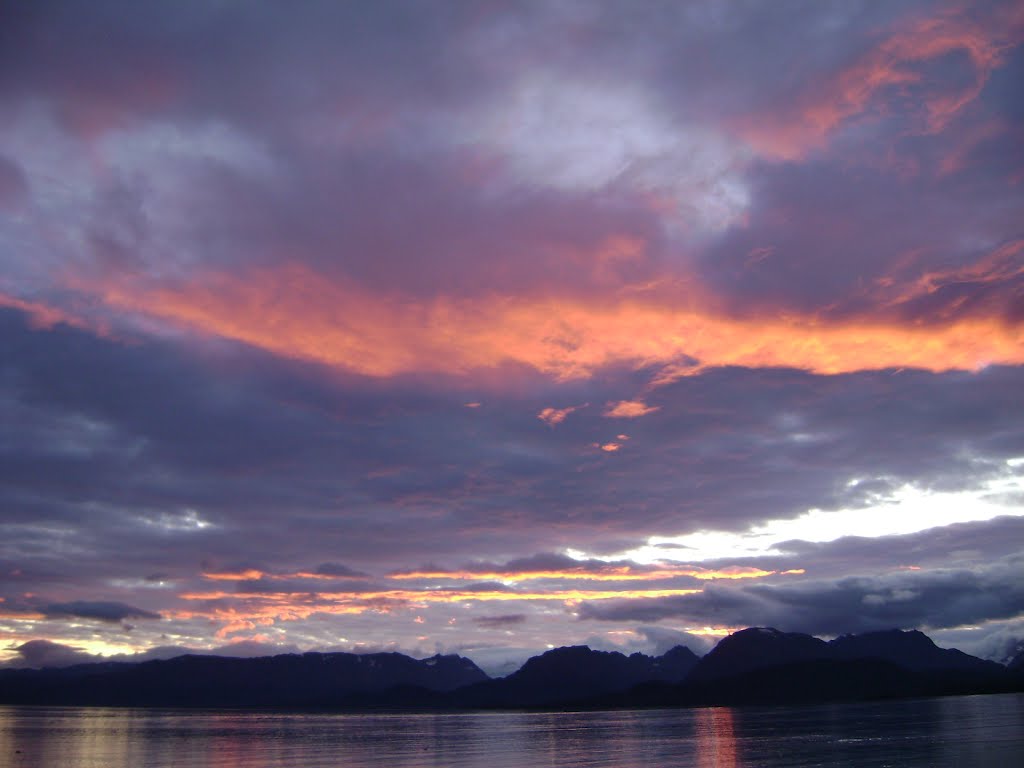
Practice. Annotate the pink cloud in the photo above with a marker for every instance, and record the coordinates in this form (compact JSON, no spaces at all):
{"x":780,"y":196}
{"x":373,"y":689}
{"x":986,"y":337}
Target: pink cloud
{"x":629,"y":409}
{"x":555,"y":416}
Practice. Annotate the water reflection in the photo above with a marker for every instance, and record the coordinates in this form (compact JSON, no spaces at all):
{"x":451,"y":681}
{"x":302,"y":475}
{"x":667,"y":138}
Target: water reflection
{"x":979,"y":731}
{"x":716,"y":738}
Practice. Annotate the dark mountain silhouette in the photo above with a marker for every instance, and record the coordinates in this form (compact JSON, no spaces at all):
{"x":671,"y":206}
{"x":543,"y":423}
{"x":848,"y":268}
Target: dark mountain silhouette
{"x":756,"y":648}
{"x":911,"y":650}
{"x":820,"y":680}
{"x":753,"y":666}
{"x":1015,"y":668}
{"x":576,"y":672}
{"x":676,"y":664}
{"x":309,"y":679}
{"x":765,"y":666}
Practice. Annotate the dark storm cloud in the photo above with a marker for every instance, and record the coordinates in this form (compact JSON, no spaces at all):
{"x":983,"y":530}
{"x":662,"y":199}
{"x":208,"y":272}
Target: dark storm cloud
{"x":937,"y":598}
{"x":100,"y":610}
{"x":960,"y":544}
{"x":1001,"y":641}
{"x":109,"y":58}
{"x":337,"y":570}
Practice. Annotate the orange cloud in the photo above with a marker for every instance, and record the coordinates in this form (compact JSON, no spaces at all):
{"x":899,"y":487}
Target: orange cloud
{"x":293,"y":312}
{"x":243,"y":611}
{"x":629,"y":409}
{"x":237,"y":619}
{"x":853,"y":90}
{"x":21,"y":616}
{"x":248,"y":575}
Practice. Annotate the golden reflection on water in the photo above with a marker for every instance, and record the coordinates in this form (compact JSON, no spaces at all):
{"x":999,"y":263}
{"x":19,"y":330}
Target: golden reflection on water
{"x":716,"y":738}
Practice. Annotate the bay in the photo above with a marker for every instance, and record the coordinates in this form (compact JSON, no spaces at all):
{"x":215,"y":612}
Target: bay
{"x":977,"y":731}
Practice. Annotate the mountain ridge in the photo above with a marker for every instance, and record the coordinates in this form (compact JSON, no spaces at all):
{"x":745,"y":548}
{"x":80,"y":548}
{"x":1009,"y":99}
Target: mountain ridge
{"x":755,"y":665}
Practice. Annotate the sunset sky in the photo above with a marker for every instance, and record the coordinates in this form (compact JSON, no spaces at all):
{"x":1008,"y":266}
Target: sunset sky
{"x":487,"y":327}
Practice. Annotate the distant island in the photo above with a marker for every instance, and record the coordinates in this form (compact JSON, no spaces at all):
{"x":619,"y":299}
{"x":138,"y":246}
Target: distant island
{"x":752,"y":666}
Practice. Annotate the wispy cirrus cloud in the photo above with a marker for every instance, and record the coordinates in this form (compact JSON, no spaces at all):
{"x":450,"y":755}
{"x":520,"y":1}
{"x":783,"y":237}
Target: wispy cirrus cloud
{"x":894,"y":67}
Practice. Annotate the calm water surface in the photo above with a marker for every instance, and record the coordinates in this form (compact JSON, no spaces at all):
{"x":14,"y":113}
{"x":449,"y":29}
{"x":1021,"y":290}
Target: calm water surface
{"x":974,"y":731}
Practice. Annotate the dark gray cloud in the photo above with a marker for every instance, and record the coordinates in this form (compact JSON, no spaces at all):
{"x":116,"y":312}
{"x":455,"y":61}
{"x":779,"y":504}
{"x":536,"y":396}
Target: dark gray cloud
{"x":13,"y":185}
{"x":337,"y":570}
{"x":500,"y":622}
{"x":935,"y":598}
{"x":663,"y":639}
{"x":98,"y":609}
{"x":1001,"y":641}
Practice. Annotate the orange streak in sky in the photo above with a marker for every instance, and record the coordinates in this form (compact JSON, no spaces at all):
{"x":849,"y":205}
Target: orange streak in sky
{"x":248,"y":575}
{"x":26,"y":616}
{"x":438,"y":595}
{"x":253,"y":575}
{"x":320,"y":576}
{"x":263,"y":609}
{"x":296,"y":313}
{"x":617,"y":573}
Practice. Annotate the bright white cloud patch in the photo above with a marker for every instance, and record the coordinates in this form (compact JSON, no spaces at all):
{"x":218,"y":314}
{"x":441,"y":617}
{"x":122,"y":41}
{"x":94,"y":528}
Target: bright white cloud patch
{"x":586,"y":136}
{"x":907,"y":510}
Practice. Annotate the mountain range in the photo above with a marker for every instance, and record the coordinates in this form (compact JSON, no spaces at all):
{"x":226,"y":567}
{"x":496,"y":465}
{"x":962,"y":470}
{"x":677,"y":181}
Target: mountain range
{"x":757,"y":665}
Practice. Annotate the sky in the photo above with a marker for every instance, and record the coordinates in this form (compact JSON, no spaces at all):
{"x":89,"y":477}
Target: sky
{"x":489,"y":327}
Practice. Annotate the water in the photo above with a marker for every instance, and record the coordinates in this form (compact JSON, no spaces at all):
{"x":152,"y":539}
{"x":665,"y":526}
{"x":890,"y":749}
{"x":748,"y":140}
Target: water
{"x":975,"y":731}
